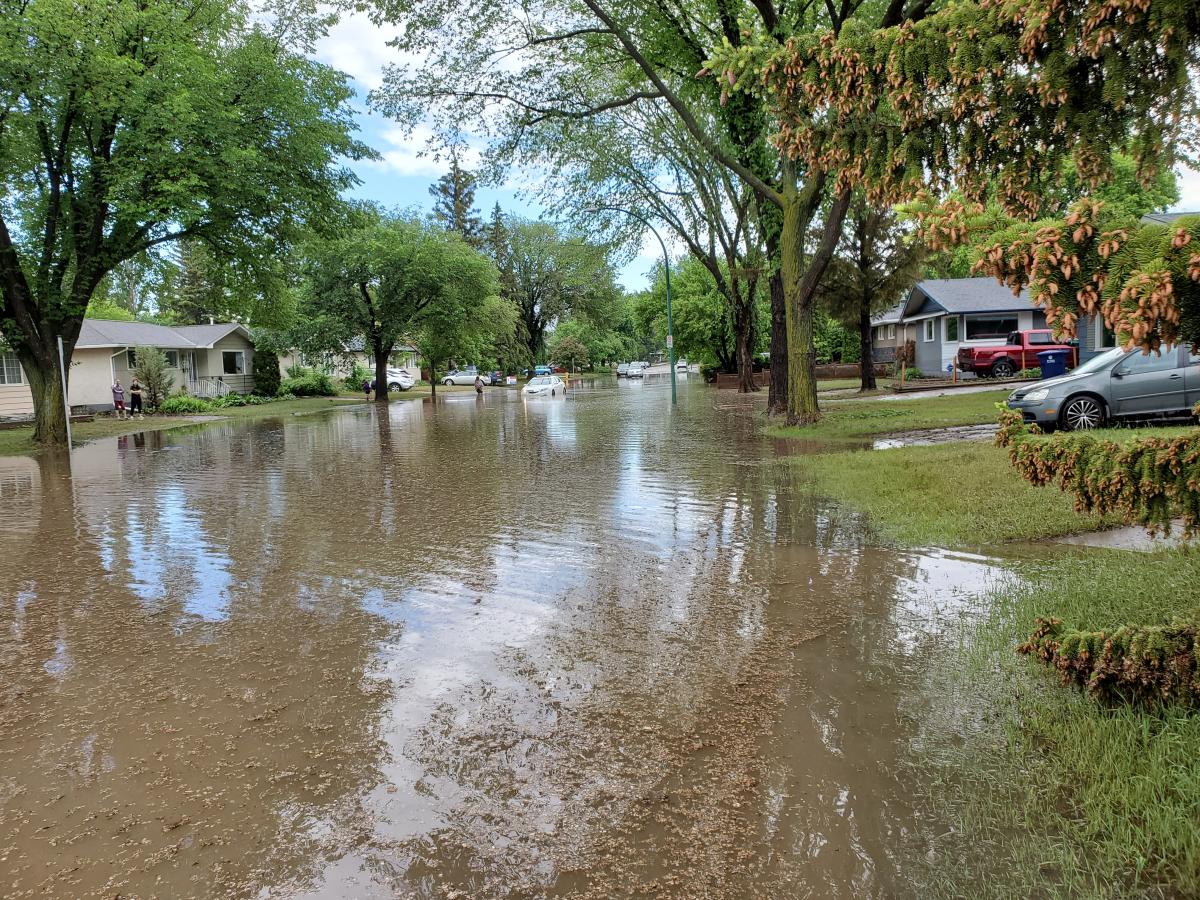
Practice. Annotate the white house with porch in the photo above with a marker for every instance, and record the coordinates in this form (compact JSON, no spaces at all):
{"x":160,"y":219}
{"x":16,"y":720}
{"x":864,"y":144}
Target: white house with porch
{"x":208,"y":360}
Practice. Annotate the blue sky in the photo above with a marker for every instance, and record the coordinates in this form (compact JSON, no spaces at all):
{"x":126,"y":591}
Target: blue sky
{"x":403,"y":176}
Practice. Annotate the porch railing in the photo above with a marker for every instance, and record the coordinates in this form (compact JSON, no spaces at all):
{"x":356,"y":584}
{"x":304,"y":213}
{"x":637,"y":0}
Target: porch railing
{"x":211,"y":386}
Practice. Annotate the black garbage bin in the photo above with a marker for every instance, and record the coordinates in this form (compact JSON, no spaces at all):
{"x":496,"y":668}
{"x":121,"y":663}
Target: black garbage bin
{"x":1052,"y":363}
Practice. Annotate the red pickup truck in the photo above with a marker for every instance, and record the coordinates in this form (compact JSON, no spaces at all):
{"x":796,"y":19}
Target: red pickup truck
{"x":1018,"y":352}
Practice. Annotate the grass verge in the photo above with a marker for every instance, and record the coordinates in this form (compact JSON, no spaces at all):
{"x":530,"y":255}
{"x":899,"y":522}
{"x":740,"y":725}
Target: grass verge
{"x":1052,"y":793}
{"x":856,"y":420}
{"x":964,"y":494}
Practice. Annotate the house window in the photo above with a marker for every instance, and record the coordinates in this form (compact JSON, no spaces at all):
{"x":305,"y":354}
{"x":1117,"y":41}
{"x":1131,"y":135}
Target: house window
{"x":130,"y":358}
{"x":233,"y":362}
{"x":891,"y":332}
{"x":930,"y":327}
{"x":952,"y":328}
{"x":990,"y":328}
{"x":10,"y":369}
{"x":1106,"y":338}
{"x":172,"y":358}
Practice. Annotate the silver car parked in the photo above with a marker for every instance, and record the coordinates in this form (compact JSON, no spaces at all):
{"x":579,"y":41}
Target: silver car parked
{"x":1117,"y":384}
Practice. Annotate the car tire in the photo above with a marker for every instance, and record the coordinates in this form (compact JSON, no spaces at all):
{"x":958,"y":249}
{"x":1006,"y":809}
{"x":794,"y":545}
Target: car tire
{"x":448,"y":382}
{"x":552,"y":392}
{"x":1002,"y":368}
{"x":394,"y":386}
{"x":1082,"y":412}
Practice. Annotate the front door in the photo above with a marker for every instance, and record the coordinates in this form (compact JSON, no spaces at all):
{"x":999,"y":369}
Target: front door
{"x":187,"y":364}
{"x":1149,"y":383}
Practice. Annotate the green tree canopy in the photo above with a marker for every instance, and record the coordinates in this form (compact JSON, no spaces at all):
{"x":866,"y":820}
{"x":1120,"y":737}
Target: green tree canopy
{"x":387,"y":280}
{"x":126,"y":125}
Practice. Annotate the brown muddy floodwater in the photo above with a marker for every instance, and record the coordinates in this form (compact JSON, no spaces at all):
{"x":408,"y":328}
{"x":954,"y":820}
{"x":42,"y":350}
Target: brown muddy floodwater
{"x":585,"y":648}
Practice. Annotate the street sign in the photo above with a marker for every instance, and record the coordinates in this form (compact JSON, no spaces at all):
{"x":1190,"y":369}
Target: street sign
{"x":670,"y":341}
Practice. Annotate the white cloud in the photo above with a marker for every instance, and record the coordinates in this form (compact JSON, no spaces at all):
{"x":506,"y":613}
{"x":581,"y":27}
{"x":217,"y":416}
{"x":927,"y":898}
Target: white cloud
{"x":406,"y":152}
{"x":1189,"y":190}
{"x":358,"y":47}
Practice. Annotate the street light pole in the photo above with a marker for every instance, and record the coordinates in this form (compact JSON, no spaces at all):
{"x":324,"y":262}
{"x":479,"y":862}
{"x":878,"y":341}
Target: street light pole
{"x":667,"y":265}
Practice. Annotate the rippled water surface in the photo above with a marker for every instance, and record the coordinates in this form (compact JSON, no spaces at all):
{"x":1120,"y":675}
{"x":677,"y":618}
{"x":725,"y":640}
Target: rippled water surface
{"x":495,"y":648}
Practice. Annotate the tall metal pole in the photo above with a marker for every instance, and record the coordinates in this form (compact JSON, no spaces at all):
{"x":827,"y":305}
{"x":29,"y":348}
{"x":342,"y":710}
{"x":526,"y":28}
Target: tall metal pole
{"x":62,"y":373}
{"x":667,"y":264}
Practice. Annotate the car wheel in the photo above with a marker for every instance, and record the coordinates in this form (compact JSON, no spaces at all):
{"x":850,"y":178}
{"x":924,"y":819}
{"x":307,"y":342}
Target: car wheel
{"x":1082,"y":413}
{"x":1002,"y":368}
{"x":552,"y":392}
{"x":449,"y":382}
{"x":394,"y":386}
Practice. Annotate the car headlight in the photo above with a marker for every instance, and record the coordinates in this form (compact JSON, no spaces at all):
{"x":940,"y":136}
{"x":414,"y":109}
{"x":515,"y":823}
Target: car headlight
{"x":1038,"y":395}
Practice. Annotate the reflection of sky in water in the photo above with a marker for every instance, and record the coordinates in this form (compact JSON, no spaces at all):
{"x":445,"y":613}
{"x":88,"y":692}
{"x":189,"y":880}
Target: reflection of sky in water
{"x":942,"y":588}
{"x":172,"y":555}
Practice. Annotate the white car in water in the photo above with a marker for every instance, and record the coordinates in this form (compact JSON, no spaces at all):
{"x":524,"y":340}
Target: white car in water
{"x":544,"y":386}
{"x":622,"y":370}
{"x":636,"y":370}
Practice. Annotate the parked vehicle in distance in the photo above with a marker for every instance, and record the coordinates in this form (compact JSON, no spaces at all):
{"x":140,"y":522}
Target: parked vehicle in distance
{"x":494,"y":378}
{"x":399,"y":379}
{"x":623,"y":370}
{"x":1018,"y":352}
{"x":1117,"y":384}
{"x":681,"y":365}
{"x":544,"y":385}
{"x":542,"y":370}
{"x":636,"y":370}
{"x":460,"y":376}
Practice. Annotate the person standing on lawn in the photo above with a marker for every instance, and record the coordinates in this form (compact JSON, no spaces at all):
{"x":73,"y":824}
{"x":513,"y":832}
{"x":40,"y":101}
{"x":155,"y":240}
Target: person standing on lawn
{"x":118,"y":392}
{"x":135,"y":398}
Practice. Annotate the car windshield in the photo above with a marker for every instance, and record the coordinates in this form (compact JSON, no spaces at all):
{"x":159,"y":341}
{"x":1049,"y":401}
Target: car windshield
{"x":1099,"y":363}
{"x":542,"y":380}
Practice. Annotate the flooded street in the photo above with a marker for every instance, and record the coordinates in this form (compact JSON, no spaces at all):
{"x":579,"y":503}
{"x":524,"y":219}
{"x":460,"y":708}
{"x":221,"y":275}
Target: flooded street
{"x":497,"y":648}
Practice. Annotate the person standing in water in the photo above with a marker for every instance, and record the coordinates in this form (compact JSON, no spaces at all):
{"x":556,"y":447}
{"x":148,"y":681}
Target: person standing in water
{"x":479,"y":384}
{"x":118,"y":392}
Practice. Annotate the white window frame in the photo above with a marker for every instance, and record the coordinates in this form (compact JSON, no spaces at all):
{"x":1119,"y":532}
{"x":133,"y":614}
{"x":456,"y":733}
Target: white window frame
{"x":1099,"y":344}
{"x":241,"y":354}
{"x":929,"y":330}
{"x":6,"y":368}
{"x":891,"y":332}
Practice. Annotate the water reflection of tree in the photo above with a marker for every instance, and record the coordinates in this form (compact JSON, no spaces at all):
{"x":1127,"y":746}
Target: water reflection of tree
{"x":199,"y":758}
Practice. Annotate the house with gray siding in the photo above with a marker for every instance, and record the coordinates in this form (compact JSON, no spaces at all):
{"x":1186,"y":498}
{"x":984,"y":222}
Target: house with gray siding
{"x":942,"y":315}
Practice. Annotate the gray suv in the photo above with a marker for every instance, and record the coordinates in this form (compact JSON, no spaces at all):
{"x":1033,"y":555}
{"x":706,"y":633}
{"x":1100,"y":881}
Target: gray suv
{"x":1117,"y":384}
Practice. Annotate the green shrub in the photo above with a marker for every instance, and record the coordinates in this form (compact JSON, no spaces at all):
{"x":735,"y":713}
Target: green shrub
{"x":359,"y":374}
{"x":266,"y":372}
{"x":241,"y":400}
{"x":1033,"y":373}
{"x":150,"y":369}
{"x":182,"y":404}
{"x":314,"y":384}
{"x":298,"y":371}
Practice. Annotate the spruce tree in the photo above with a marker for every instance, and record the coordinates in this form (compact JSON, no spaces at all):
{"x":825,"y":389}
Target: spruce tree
{"x":454,"y":203}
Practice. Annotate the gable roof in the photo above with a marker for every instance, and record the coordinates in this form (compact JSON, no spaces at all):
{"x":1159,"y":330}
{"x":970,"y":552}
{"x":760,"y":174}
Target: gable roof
{"x":1166,"y":218}
{"x":942,"y":296}
{"x":112,"y":333}
{"x":887,"y":317}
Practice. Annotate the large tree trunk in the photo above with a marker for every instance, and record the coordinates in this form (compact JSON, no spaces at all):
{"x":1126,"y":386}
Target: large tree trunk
{"x":383,"y":352}
{"x":49,"y":414}
{"x":432,"y":381}
{"x":866,"y":346}
{"x":800,"y":292}
{"x":777,"y":390}
{"x":743,"y":343}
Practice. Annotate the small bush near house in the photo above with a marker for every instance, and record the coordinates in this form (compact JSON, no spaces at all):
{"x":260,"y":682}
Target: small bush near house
{"x":359,"y":374}
{"x":182,"y":405}
{"x":230,"y":400}
{"x":151,"y":370}
{"x":911,"y":373}
{"x":1034,"y":373}
{"x":266,"y":372}
{"x":298,"y":371}
{"x":314,"y":384}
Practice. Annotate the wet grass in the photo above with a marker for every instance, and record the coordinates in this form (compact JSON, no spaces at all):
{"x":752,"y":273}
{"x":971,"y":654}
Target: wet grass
{"x":1053,"y":794}
{"x":15,"y":441}
{"x":958,"y":494}
{"x":853,"y":420}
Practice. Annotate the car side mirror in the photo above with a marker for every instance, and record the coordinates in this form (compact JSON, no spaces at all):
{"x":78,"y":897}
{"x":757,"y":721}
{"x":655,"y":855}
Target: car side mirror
{"x":1120,"y":373}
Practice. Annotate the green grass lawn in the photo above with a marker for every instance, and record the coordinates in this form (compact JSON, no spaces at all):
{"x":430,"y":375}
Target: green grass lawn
{"x":1048,"y":787}
{"x":855,"y":420}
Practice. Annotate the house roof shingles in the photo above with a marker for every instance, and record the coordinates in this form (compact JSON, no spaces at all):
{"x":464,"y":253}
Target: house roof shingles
{"x":966,"y":295}
{"x":112,"y":333}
